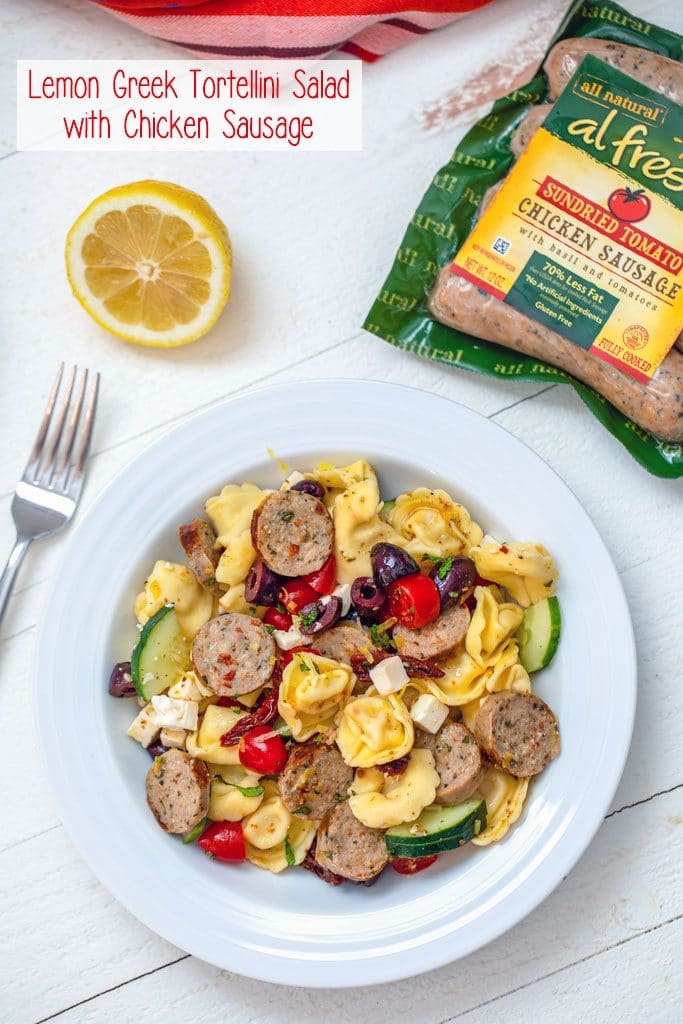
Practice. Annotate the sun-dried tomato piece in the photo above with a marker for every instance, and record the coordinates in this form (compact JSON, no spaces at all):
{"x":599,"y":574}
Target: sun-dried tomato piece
{"x":415,"y":667}
{"x":311,"y":864}
{"x":396,"y":767}
{"x":263,"y":714}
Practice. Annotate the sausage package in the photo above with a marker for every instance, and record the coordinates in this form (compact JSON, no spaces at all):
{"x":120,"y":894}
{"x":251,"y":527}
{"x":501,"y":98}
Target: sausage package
{"x":549,"y":246}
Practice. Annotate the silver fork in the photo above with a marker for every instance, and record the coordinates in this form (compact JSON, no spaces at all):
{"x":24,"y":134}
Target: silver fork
{"x":46,"y":497}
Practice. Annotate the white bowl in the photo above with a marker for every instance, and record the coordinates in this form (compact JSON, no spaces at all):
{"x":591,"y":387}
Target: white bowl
{"x":292,"y":928}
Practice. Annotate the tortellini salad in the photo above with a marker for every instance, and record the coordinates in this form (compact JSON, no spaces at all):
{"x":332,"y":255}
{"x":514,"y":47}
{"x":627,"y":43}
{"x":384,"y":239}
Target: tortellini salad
{"x":341,"y":680}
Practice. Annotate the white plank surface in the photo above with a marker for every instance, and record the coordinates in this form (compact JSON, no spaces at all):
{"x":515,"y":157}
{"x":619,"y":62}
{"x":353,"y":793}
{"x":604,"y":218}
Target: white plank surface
{"x":313,"y":237}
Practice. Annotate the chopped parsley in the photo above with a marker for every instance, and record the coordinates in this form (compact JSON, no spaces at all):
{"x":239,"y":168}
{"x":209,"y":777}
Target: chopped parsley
{"x":289,"y":853}
{"x":338,"y":798}
{"x":447,"y":746}
{"x":308,"y":618}
{"x":328,"y":854}
{"x":302,"y":810}
{"x":381,"y":639}
{"x":286,"y":516}
{"x":303,"y":667}
{"x":246,"y":790}
{"x":279,"y":607}
{"x":270,"y":629}
{"x":444,"y":564}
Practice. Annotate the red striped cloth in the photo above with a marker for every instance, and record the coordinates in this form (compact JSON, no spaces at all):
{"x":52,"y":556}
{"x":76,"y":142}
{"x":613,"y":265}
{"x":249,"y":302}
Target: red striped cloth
{"x":270,"y":28}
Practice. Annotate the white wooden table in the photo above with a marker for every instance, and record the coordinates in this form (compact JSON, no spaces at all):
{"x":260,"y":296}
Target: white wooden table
{"x":313,"y":238}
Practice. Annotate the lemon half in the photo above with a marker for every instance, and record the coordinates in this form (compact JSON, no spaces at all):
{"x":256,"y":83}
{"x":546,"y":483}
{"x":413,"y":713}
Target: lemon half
{"x":151,"y":262}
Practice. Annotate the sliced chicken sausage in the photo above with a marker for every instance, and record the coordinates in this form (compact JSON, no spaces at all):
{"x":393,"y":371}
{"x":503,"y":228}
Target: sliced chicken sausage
{"x":198,"y":540}
{"x":341,"y":642}
{"x":436,"y":640}
{"x":518,"y":731}
{"x":293,"y":533}
{"x":314,"y":779}
{"x":234,"y":653}
{"x":349,"y":848}
{"x":659,"y":73}
{"x":178,"y":791}
{"x":458,"y":760}
{"x":656,"y":407}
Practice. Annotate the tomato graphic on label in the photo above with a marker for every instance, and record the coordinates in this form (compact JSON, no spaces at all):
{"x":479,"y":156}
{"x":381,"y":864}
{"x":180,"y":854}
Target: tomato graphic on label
{"x":629,"y":204}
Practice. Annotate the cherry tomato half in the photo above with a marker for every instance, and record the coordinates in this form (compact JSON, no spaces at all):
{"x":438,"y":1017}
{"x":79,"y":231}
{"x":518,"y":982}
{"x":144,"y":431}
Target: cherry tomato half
{"x":223,"y":840}
{"x":262,"y":750}
{"x":288,"y":655}
{"x":411,"y":865}
{"x":297,"y":593}
{"x":414,"y":600}
{"x":324,"y":578}
{"x":277,"y":619}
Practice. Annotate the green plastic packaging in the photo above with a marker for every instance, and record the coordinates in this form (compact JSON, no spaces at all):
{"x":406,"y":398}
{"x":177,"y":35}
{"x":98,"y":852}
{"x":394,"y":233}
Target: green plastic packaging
{"x":445,"y":217}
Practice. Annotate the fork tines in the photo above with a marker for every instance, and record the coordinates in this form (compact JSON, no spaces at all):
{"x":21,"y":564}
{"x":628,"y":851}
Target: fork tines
{"x":57,"y":460}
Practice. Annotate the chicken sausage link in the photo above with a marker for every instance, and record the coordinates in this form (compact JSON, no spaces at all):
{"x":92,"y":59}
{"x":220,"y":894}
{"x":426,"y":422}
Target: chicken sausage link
{"x":234,"y":653}
{"x":349,"y":848}
{"x":457,"y":758}
{"x":314,"y":779}
{"x":178,"y":791}
{"x":198,"y":540}
{"x":656,"y":407}
{"x":661,"y":74}
{"x":518,"y":731}
{"x":530,"y":123}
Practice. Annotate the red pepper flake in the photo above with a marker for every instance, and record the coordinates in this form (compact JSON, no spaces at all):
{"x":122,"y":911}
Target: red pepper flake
{"x":229,"y":676}
{"x":504,"y":548}
{"x":263,"y":714}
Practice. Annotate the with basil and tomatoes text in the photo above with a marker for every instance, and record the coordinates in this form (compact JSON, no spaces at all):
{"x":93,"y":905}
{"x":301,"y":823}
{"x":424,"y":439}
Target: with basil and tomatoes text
{"x":342,"y":682}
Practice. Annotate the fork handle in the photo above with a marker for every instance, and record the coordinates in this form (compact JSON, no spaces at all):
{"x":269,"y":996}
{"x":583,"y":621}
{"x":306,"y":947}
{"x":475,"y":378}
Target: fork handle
{"x":10,"y":571}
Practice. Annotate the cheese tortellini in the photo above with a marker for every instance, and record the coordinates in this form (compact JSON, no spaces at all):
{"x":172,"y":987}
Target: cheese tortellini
{"x":233,"y":600}
{"x":492,"y":622}
{"x":506,"y":673}
{"x":357,"y":527}
{"x":504,"y":798}
{"x":273,"y":838}
{"x":431,"y":523}
{"x":380,"y":801}
{"x":205,"y":743}
{"x":312,"y":691}
{"x":170,"y":583}
{"x":374,"y":729}
{"x":526,"y":570}
{"x":228,"y":802}
{"x":231,"y":512}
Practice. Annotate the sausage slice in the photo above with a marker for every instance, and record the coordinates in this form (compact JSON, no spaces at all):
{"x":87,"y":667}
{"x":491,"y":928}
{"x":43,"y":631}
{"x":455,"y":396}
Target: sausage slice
{"x":314,"y":779}
{"x":341,"y":642}
{"x":234,"y":654}
{"x":435,"y":640}
{"x":178,"y":791}
{"x":349,"y":848}
{"x":292,"y":532}
{"x":198,"y":540}
{"x":458,"y":761}
{"x":518,"y":731}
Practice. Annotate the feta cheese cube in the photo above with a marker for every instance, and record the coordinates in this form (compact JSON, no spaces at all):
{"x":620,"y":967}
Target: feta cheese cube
{"x":173,"y":738}
{"x":175,"y":714}
{"x":389,"y":676}
{"x":287,"y":639}
{"x":145,"y":727}
{"x":189,"y":687}
{"x":343,"y":592}
{"x":294,"y":478}
{"x":428,"y":713}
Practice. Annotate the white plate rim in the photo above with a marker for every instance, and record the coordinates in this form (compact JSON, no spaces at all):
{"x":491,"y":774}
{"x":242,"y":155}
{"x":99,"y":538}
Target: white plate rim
{"x":416,"y":958}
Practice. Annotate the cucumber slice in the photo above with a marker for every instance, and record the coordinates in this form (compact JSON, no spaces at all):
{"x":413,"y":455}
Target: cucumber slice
{"x":386,"y":510}
{"x":539,"y":634}
{"x":161,"y":655}
{"x":438,"y":829}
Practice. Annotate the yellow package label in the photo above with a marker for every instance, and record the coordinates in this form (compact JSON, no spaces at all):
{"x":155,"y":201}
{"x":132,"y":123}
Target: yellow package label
{"x":585,"y":234}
